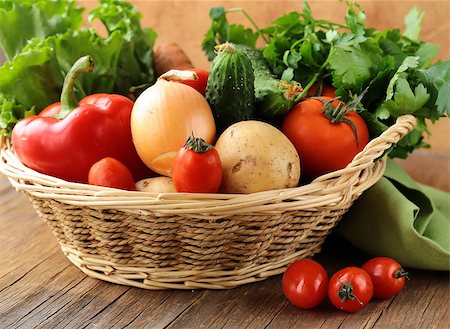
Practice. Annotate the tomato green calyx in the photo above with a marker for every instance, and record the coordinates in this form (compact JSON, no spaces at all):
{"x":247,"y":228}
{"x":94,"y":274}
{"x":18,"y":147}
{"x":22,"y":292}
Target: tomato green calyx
{"x":337,"y":114}
{"x":400,"y":273}
{"x":197,"y":144}
{"x":68,"y":101}
{"x":346,"y":292}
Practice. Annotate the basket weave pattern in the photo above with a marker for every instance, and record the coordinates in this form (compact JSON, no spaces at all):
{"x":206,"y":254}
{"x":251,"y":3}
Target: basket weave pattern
{"x":186,"y":241}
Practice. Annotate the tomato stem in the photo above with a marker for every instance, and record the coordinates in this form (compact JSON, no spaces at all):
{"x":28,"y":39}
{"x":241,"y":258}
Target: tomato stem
{"x":338,"y":114}
{"x":345,"y":292}
{"x":197,"y":144}
{"x":68,"y":101}
{"x":401,"y":273}
{"x":315,"y":76}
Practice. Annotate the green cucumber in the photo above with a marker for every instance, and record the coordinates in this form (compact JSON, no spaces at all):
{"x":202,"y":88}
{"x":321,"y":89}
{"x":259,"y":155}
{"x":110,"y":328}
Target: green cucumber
{"x":274,"y":97}
{"x":230,"y":89}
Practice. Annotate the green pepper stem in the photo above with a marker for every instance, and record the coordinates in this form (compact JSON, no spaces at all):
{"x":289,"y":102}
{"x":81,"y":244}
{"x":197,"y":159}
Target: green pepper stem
{"x":68,"y":101}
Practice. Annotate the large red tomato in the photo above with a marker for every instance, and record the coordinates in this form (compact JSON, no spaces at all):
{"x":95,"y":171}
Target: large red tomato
{"x":325,"y":135}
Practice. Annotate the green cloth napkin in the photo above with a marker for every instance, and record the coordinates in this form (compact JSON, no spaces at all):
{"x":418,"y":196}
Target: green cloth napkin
{"x":401,"y":219}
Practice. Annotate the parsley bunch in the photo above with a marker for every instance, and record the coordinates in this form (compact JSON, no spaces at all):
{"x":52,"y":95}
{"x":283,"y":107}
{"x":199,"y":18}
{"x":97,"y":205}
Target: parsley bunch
{"x":394,"y":69}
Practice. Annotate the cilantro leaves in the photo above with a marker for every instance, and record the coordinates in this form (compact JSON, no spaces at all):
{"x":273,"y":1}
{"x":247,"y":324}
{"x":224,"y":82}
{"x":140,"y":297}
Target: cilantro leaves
{"x":396,"y":68}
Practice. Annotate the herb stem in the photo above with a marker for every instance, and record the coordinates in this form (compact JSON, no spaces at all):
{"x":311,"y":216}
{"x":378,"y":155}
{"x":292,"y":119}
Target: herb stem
{"x":250,"y":20}
{"x":315,"y":76}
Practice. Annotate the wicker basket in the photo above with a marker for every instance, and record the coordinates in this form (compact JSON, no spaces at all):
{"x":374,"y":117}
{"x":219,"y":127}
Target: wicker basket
{"x":187,"y":241}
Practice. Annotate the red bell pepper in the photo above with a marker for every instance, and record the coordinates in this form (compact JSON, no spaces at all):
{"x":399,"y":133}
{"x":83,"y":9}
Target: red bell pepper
{"x":67,"y":137}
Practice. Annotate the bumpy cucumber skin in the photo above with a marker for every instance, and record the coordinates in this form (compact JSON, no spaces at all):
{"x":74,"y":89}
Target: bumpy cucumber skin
{"x":272,"y":101}
{"x":230,"y":89}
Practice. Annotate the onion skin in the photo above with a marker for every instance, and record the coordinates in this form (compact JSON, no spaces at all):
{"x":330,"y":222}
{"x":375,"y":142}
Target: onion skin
{"x":163,"y":116}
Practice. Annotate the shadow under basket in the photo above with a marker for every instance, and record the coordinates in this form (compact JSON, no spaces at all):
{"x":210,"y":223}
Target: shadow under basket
{"x":189,"y":241}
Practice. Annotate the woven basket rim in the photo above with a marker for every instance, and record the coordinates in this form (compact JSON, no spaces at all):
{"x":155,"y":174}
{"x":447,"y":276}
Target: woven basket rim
{"x":328,"y":185}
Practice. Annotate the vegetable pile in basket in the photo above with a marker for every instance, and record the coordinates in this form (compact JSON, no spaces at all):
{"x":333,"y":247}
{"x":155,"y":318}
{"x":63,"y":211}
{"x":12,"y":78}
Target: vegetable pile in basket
{"x":89,"y":109}
{"x":396,"y":68}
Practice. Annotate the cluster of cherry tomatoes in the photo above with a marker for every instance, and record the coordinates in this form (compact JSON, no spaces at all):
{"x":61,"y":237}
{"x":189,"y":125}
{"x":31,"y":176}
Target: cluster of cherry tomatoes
{"x":305,"y":283}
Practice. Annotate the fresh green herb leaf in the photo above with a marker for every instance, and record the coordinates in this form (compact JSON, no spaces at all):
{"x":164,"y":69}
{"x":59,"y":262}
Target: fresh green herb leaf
{"x":351,"y":67}
{"x":408,"y":62}
{"x":426,"y":53}
{"x":437,"y":80}
{"x":221,"y":31}
{"x":405,"y":100}
{"x":413,"y":21}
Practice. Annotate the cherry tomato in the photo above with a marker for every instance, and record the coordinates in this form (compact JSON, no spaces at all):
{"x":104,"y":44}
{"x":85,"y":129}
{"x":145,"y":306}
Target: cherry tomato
{"x":200,"y":84}
{"x":388,"y":276}
{"x":324,"y":146}
{"x":111,"y":172}
{"x":321,"y":89}
{"x":305,"y":283}
{"x":350,"y":289}
{"x":197,"y":168}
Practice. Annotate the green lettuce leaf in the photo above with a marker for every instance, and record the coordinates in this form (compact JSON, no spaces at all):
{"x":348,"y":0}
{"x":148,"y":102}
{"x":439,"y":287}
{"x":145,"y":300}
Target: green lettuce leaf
{"x":22,"y":20}
{"x":34,"y":77}
{"x":11,"y":113}
{"x":135,"y":63}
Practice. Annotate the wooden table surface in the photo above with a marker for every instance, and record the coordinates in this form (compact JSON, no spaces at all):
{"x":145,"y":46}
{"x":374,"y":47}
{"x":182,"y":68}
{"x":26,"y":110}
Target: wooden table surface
{"x":40,"y":288}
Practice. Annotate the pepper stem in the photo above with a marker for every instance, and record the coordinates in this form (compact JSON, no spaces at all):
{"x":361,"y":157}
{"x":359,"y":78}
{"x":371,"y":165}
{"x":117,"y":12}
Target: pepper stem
{"x":197,"y":144}
{"x":68,"y":101}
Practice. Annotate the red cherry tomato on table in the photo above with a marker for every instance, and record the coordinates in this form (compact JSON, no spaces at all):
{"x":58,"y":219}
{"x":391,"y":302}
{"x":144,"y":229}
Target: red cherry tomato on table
{"x":388,"y":276}
{"x":324,"y":146}
{"x":197,"y":168}
{"x":200,"y":84}
{"x":111,"y":172}
{"x":305,"y":283}
{"x":350,"y":289}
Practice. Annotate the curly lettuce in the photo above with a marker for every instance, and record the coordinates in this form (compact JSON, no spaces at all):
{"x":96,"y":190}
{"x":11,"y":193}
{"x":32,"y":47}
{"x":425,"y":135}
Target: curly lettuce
{"x":46,"y":48}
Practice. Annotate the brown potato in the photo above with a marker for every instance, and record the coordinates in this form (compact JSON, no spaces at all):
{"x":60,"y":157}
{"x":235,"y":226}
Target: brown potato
{"x":256,"y":157}
{"x":156,"y":185}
